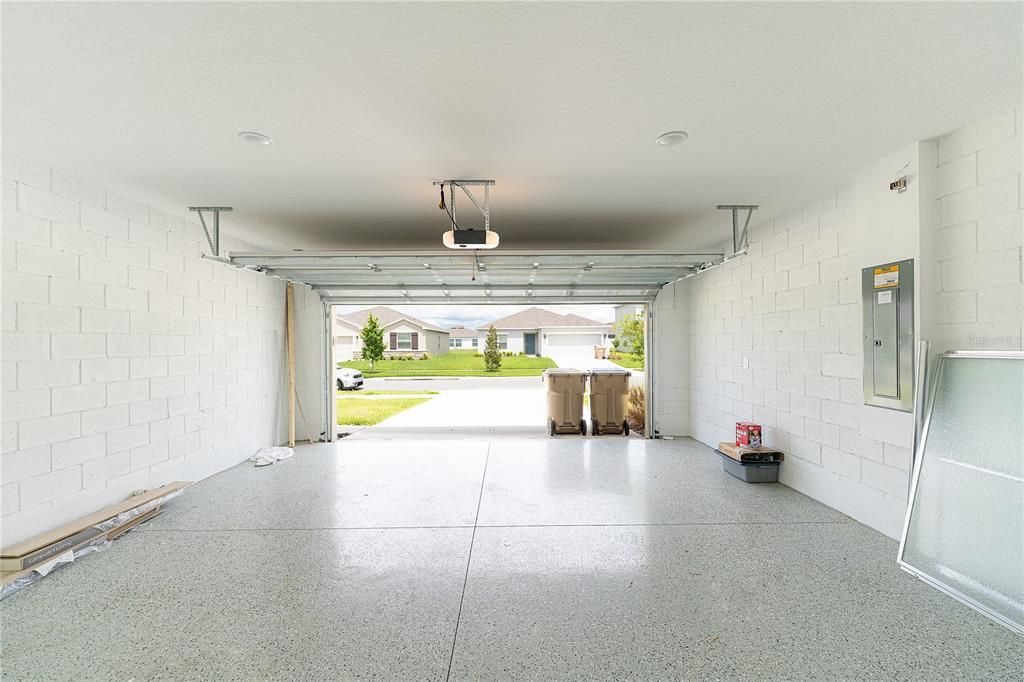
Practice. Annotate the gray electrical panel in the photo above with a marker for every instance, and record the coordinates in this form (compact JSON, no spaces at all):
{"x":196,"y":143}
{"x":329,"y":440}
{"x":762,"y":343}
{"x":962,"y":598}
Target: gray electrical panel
{"x":888,"y":292}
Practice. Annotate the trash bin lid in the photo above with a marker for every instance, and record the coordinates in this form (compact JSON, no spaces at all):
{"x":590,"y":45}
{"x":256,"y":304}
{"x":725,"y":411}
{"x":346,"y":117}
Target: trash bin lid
{"x":610,"y":370}
{"x":563,"y":370}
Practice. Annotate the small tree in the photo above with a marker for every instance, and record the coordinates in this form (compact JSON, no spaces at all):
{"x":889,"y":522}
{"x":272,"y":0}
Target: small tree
{"x":492,"y":354}
{"x":631,"y":328}
{"x":373,"y":341}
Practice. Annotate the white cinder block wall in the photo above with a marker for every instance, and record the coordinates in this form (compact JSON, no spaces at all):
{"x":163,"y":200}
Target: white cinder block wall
{"x":980,"y":231}
{"x":128,"y":361}
{"x":790,"y":309}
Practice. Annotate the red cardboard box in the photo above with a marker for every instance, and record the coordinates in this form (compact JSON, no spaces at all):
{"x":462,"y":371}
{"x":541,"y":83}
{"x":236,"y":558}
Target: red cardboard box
{"x":748,"y":435}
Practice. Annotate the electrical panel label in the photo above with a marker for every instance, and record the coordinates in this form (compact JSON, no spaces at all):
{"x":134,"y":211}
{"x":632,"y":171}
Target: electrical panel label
{"x":884,"y":297}
{"x":887,"y":277}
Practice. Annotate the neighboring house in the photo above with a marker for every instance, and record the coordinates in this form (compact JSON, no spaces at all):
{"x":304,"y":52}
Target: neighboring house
{"x":403,"y":334}
{"x":536,"y":331}
{"x":621,"y":313}
{"x":460,"y":338}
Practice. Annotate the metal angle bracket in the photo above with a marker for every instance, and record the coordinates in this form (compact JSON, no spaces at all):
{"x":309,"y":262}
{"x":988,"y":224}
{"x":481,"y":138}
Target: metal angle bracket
{"x":464,"y":185}
{"x":212,"y":239}
{"x":740,"y":241}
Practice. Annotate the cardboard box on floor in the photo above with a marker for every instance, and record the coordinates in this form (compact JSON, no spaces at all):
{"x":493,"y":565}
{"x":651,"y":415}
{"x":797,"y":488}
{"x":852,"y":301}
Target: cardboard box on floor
{"x":38,"y":549}
{"x":112,"y":534}
{"x":746,"y":454}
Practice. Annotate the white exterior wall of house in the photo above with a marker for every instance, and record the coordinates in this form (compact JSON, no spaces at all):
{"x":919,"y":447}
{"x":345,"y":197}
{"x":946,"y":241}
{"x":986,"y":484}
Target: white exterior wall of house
{"x":571,"y":340}
{"x":515,"y":340}
{"x":466,"y":343}
{"x":401,"y":328}
{"x":566,"y":340}
{"x":349,"y":345}
{"x":432,"y":342}
{"x":436,"y":343}
{"x":347,"y":342}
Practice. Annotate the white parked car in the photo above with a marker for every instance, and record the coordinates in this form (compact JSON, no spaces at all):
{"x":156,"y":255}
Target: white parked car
{"x":348,"y":379}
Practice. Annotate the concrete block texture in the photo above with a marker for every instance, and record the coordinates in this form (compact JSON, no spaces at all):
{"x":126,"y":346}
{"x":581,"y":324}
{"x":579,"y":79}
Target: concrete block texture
{"x":801,"y":297}
{"x":107,"y":310}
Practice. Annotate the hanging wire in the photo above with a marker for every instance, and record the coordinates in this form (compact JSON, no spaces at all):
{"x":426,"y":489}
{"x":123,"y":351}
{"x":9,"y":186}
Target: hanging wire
{"x":447,"y":210}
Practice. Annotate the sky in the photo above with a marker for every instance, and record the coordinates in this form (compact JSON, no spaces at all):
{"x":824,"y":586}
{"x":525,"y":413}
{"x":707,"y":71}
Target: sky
{"x":471,"y":316}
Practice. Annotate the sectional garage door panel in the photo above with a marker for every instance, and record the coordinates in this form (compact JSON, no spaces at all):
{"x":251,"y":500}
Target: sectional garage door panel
{"x":493,"y":277}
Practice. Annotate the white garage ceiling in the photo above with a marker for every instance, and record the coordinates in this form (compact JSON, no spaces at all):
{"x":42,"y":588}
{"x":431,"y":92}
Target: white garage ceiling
{"x":558,"y":102}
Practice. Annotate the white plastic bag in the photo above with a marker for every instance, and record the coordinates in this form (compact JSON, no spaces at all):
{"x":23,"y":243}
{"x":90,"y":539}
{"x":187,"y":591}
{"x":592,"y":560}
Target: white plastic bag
{"x":266,"y":456}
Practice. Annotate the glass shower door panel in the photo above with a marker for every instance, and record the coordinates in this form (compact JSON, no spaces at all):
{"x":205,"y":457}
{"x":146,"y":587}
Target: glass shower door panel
{"x":965,"y":531}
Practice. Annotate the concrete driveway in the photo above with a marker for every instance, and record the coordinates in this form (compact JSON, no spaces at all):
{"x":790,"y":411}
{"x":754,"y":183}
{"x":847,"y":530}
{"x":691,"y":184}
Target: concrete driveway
{"x":470,"y":407}
{"x":465,"y":407}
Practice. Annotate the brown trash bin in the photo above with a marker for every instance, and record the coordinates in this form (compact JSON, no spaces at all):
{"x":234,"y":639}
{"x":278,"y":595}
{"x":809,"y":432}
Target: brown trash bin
{"x":600,"y":353}
{"x":565,"y":400}
{"x":608,"y":391}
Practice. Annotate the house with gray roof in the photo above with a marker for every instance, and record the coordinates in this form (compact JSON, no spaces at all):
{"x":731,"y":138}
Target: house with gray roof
{"x":461,"y":338}
{"x":536,"y":331}
{"x":403,"y":334}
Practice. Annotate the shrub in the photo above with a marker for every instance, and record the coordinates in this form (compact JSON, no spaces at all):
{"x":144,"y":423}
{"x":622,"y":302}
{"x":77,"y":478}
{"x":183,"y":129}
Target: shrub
{"x":425,"y":356}
{"x":636,"y":409}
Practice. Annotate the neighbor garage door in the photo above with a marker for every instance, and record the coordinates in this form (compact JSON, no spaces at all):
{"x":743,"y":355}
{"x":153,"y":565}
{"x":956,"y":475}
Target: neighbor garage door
{"x":343,"y":346}
{"x":587,"y":341}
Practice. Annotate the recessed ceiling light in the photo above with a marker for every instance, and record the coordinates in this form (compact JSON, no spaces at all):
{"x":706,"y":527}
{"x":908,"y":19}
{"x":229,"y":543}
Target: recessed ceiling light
{"x":671,"y":138}
{"x":252,"y":137}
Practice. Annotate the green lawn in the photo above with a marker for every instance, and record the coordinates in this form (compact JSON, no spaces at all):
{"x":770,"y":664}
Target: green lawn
{"x":358,"y":412}
{"x":459,"y":363}
{"x":627,"y":360}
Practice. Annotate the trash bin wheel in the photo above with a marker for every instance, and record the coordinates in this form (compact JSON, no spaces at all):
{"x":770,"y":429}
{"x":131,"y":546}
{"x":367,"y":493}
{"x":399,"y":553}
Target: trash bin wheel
{"x":583,"y":427}
{"x":625,"y":428}
{"x":551,"y":427}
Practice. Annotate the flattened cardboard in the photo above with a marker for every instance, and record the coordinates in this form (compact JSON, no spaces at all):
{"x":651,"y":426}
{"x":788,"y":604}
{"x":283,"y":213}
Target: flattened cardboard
{"x":44,"y":554}
{"x":33,"y":544}
{"x":112,"y":534}
{"x":762,"y":454}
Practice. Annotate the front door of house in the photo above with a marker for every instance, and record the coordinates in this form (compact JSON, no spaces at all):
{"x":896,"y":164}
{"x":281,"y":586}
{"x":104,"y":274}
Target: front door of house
{"x":530,"y":344}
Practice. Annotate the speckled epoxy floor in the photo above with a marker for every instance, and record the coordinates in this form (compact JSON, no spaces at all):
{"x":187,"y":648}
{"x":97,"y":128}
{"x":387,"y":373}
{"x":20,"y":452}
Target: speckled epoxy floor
{"x":604,"y":558}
